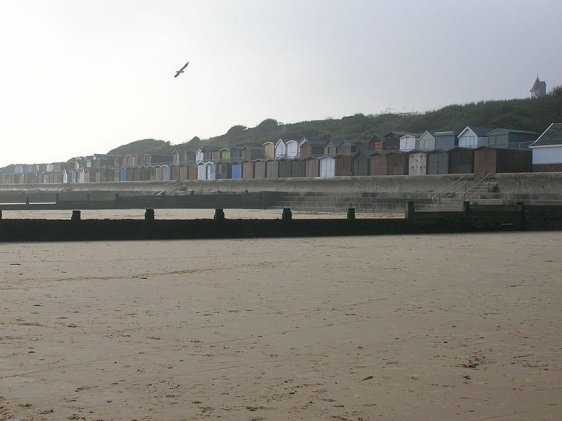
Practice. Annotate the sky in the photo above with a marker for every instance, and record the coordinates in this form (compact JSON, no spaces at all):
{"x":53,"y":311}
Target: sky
{"x":80,"y":77}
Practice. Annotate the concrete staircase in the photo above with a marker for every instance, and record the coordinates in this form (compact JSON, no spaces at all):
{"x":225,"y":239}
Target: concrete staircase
{"x":465,"y":189}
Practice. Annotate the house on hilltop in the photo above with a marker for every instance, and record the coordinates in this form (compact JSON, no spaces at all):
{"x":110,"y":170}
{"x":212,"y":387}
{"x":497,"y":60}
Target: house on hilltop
{"x":538,"y":90}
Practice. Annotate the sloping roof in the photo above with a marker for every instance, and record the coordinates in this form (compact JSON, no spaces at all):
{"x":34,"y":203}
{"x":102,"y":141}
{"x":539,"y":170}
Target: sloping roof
{"x":207,"y":149}
{"x":445,"y":133}
{"x":479,"y":131}
{"x":161,"y":158}
{"x":400,"y":134}
{"x":551,"y":136}
{"x":511,"y":131}
{"x":536,"y":85}
{"x":427,"y":132}
{"x":313,"y":142}
{"x":377,"y":136}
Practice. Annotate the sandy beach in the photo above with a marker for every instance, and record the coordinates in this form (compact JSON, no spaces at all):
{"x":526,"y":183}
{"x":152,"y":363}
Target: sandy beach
{"x":391,"y":327}
{"x":191,"y":214}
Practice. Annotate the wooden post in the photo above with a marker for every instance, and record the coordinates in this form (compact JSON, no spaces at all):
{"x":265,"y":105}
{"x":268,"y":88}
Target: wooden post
{"x":410,"y":209}
{"x":287,"y":214}
{"x":351,"y":213}
{"x":466,"y":206}
{"x":523,"y":221}
{"x":75,"y":216}
{"x":219,"y":215}
{"x":149,"y":215}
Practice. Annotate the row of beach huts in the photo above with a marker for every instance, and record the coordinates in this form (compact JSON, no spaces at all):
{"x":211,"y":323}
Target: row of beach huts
{"x":474,"y":150}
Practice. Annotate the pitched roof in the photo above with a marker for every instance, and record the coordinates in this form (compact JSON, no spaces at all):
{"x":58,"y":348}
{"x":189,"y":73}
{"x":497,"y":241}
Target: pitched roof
{"x":427,"y":132}
{"x":315,"y":142}
{"x":399,"y":134}
{"x":446,"y":133}
{"x":536,"y":85}
{"x":511,"y":131}
{"x":377,"y":136}
{"x":551,"y":136}
{"x":479,"y":131}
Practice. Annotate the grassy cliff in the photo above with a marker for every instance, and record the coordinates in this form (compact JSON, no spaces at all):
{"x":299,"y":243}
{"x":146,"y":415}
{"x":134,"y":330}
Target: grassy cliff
{"x":523,"y":114}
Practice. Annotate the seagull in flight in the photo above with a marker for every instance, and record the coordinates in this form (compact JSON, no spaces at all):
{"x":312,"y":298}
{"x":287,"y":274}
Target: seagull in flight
{"x":181,"y":70}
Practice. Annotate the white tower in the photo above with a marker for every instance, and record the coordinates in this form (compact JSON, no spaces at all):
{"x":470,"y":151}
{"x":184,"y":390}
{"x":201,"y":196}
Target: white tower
{"x":539,"y":88}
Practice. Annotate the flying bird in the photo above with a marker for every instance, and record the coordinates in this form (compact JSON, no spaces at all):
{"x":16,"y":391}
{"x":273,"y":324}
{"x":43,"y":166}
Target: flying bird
{"x":181,"y":70}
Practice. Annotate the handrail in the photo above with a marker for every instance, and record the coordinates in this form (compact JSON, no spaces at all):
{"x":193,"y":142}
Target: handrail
{"x":167,"y":187}
{"x":437,"y":197}
{"x":480,"y":184}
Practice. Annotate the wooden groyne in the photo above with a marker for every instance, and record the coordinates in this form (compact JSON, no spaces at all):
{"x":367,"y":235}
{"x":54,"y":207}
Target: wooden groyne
{"x":518,"y":217}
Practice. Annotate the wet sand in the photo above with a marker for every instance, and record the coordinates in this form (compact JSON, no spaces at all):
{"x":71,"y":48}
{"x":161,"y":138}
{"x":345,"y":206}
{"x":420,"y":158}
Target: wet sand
{"x":190,"y":214}
{"x":391,"y":327}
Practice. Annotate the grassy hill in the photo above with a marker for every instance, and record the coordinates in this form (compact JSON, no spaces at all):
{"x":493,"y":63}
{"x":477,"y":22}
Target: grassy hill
{"x":523,"y":114}
{"x":142,"y":146}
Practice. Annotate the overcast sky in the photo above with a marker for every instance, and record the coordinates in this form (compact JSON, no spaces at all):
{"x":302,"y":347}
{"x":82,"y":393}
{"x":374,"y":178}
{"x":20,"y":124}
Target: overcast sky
{"x":84,"y":76}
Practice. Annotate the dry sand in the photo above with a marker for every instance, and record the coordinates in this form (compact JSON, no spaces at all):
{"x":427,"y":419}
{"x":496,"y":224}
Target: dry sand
{"x":391,"y":327}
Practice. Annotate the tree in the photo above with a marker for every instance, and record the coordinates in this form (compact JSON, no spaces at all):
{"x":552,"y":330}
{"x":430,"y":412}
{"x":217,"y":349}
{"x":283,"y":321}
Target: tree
{"x":267,"y":124}
{"x":236,"y":130}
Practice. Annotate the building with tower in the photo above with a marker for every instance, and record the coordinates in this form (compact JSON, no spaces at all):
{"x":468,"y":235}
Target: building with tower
{"x":539,"y":88}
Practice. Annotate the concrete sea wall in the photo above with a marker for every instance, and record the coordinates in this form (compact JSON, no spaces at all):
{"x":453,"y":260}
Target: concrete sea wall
{"x":263,"y":193}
